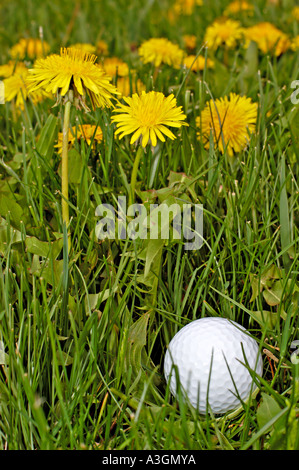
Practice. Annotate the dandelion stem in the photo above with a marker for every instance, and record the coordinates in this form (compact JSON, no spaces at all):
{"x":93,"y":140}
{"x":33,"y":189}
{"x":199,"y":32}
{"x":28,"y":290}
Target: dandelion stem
{"x":134,"y":174}
{"x":64,"y":164}
{"x":225,"y":57}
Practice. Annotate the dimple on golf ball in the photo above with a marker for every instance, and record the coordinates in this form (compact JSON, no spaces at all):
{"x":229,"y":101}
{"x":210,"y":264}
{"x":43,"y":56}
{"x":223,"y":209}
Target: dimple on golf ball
{"x":209,"y":355}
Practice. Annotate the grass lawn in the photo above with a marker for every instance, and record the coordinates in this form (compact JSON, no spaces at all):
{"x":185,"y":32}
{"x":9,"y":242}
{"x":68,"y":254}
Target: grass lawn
{"x":85,"y":322}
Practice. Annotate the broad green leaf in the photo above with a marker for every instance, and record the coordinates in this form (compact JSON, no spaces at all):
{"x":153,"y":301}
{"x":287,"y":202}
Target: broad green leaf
{"x":267,"y":410}
{"x":47,"y":136}
{"x":10,"y":208}
{"x":185,"y":182}
{"x":223,"y":441}
{"x":63,"y":359}
{"x":153,"y":255}
{"x":270,"y":283}
{"x":8,"y":185}
{"x":75,"y":166}
{"x":276,"y":293}
{"x":136,"y":341}
{"x":265,"y":317}
{"x":15,"y":236}
{"x":179,"y":424}
{"x":17,"y":162}
{"x":50,"y":271}
{"x":255,"y":286}
{"x":147,"y":197}
{"x":271,"y":273}
{"x":293,"y":428}
{"x":40,"y":248}
{"x":273,"y":296}
{"x":93,"y":300}
{"x":150,"y":276}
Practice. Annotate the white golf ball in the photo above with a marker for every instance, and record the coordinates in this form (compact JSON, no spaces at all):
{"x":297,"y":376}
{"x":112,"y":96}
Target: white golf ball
{"x":209,"y":355}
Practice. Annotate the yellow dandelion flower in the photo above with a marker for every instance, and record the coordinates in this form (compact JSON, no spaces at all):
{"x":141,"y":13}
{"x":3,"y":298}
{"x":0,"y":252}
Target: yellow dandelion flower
{"x":73,"y":70}
{"x":295,"y":43}
{"x":238,"y":6}
{"x":15,"y":88}
{"x":224,"y":32}
{"x":73,"y":74}
{"x":295,"y":13}
{"x":86,"y":47}
{"x":268,"y":38}
{"x":148,"y":116}
{"x":7,"y":70}
{"x":161,"y":51}
{"x":90,"y":133}
{"x":114,"y":66}
{"x":230,"y":120}
{"x":29,"y":47}
{"x":197,"y":63}
{"x":126,"y":87}
{"x":101,"y":48}
{"x":185,"y":7}
{"x":190,"y":41}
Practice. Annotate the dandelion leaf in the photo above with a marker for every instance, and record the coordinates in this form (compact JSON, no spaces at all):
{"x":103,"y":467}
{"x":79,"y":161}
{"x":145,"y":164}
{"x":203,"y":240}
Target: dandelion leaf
{"x":135,"y":350}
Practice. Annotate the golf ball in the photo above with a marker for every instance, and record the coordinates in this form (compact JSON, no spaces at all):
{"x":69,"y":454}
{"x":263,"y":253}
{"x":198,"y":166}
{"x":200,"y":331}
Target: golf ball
{"x":209,"y":355}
